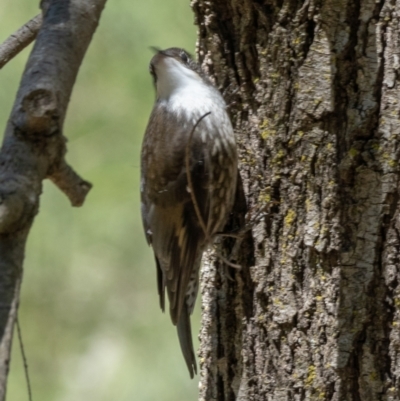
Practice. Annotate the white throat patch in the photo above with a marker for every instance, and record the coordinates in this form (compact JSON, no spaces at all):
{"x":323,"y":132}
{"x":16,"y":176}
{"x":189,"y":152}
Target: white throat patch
{"x":172,"y":76}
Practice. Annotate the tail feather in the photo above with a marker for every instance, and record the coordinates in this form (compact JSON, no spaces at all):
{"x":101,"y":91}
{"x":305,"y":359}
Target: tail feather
{"x":160,"y":285}
{"x":185,"y":340}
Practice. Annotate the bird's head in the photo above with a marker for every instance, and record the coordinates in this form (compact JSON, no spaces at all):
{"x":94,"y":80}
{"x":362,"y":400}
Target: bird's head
{"x":173,"y":69}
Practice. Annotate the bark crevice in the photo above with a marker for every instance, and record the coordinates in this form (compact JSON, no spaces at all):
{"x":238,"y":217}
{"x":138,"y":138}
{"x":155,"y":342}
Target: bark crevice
{"x":318,"y":132}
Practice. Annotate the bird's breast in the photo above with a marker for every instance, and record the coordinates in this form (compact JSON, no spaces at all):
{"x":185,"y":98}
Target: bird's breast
{"x":194,"y":101}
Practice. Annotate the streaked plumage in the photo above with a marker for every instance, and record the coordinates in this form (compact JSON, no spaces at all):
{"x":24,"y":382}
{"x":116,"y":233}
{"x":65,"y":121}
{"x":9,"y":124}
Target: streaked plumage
{"x":172,"y":227}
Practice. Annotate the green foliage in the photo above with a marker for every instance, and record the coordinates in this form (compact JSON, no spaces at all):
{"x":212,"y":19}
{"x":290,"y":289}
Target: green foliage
{"x":89,"y":312}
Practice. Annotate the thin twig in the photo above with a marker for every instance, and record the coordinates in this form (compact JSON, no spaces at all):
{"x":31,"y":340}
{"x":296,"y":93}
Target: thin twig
{"x":189,"y":177}
{"x":239,"y":236}
{"x":19,"y":40}
{"x":21,"y":345}
{"x":193,"y":195}
{"x":249,"y":225}
{"x":227,"y":261}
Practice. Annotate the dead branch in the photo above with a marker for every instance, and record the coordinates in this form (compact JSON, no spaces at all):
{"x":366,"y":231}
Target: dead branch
{"x":19,"y":40}
{"x":34,"y":147}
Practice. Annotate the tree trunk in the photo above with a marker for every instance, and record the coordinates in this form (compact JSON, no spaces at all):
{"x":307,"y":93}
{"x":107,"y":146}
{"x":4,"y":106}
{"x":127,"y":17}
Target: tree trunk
{"x":314,"y":312}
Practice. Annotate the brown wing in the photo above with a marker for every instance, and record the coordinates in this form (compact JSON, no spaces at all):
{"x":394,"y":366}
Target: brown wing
{"x":169,"y":218}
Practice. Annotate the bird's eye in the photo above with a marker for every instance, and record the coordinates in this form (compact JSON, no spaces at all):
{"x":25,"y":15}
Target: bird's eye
{"x":184,"y":57}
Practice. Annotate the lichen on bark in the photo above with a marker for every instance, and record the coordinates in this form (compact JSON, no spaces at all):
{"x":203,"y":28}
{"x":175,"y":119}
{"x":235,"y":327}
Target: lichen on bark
{"x":313,"y":93}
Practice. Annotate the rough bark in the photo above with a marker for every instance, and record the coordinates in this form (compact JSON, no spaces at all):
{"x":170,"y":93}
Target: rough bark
{"x":314,"y":313}
{"x":34,"y":146}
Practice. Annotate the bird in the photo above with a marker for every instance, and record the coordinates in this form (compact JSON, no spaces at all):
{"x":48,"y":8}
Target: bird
{"x":188,"y":181}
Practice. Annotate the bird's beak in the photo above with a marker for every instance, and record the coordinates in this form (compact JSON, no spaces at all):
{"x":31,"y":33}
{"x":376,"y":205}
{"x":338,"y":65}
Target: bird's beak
{"x":155,"y":49}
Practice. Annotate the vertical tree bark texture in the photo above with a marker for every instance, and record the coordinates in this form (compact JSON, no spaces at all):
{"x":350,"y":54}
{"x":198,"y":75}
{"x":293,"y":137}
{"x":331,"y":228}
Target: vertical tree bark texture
{"x":314,"y":313}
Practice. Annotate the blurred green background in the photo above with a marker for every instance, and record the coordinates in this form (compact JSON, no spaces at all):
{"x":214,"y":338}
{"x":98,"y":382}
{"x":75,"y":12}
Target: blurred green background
{"x":89,"y":312}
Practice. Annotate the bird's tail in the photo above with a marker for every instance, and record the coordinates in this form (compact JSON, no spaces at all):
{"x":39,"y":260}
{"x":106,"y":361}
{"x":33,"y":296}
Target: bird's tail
{"x":185,"y":340}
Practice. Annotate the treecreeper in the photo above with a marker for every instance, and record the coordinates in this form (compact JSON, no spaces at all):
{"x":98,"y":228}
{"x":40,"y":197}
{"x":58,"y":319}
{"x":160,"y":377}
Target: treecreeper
{"x":188,"y":181}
